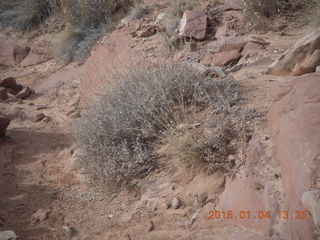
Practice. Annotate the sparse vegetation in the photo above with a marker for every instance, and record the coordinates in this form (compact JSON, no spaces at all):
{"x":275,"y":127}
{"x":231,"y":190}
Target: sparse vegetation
{"x":118,"y":135}
{"x":25,"y":15}
{"x":261,"y":12}
{"x":85,"y":20}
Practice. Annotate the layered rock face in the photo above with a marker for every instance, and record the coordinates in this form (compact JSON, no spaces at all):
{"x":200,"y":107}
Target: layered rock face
{"x":294,"y":121}
{"x":302,"y":58}
{"x":282,"y":174}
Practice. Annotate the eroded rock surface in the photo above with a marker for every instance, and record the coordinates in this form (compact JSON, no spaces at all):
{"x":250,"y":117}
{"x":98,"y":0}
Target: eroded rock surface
{"x":295,"y":128}
{"x":302,"y":58}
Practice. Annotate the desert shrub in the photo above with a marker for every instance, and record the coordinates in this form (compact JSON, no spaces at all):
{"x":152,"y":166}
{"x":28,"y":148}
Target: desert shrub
{"x":218,"y":136}
{"x":117,"y":136}
{"x":174,"y":14}
{"x":177,"y":8}
{"x":25,"y":15}
{"x":137,"y":11}
{"x":86,"y":21}
{"x":261,"y":12}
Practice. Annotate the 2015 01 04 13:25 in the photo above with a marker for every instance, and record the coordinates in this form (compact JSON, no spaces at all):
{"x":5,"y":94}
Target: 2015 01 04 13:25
{"x":262,"y":214}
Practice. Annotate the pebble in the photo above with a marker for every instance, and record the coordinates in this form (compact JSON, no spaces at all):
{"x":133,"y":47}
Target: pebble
{"x":8,"y":235}
{"x":175,"y":203}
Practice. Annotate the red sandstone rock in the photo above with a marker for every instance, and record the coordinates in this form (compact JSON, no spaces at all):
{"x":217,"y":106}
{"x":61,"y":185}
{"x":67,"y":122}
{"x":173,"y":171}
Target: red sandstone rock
{"x":10,"y":53}
{"x":147,"y":32}
{"x":34,"y":58}
{"x":11,"y":84}
{"x":251,"y":190}
{"x":237,"y":5}
{"x":20,"y":53}
{"x":24,"y":93}
{"x":222,"y":58}
{"x":302,"y":58}
{"x":3,"y":94}
{"x":236,"y":43}
{"x":295,"y":128}
{"x":193,"y":24}
{"x":4,"y":123}
{"x":251,"y":48}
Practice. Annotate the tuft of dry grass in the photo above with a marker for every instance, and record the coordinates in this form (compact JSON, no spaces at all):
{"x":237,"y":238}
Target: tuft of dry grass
{"x":261,"y":12}
{"x":118,"y":136}
{"x":25,"y":15}
{"x":86,"y":21}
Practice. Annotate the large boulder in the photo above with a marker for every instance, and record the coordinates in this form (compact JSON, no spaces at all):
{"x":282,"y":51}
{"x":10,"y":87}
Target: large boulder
{"x":294,"y":123}
{"x":302,"y":58}
{"x":194,"y":24}
{"x":4,"y":123}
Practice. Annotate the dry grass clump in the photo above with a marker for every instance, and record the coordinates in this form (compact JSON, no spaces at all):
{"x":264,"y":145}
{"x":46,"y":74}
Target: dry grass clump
{"x":175,"y":12}
{"x":261,"y":12}
{"x":25,"y":15}
{"x":177,"y":8}
{"x":119,"y":134}
{"x":85,"y":21}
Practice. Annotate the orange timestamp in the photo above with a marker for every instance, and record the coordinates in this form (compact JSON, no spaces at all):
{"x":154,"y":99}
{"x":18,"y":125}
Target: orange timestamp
{"x":246,"y":214}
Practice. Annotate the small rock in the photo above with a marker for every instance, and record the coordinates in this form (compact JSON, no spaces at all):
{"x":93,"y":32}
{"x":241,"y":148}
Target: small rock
{"x":8,"y":235}
{"x":69,"y":231}
{"x":194,"y":24}
{"x":151,"y":226}
{"x":20,"y":53}
{"x":236,"y":43}
{"x":202,"y":199}
{"x":34,"y":58}
{"x":4,"y":123}
{"x":39,"y":117}
{"x":161,"y":17}
{"x":175,"y":204}
{"x":147,"y":32}
{"x":251,"y":76}
{"x":221,"y":59}
{"x":3,"y":94}
{"x":251,"y":48}
{"x":73,"y":164}
{"x":11,"y":84}
{"x":311,"y":201}
{"x":192,"y":220}
{"x":235,"y":68}
{"x":41,"y":107}
{"x":40,"y":215}
{"x":318,"y":69}
{"x":47,"y":119}
{"x":24,"y":93}
{"x":236,"y":5}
